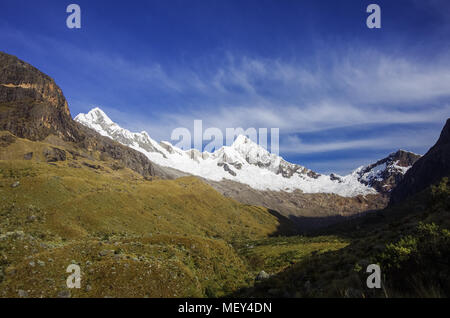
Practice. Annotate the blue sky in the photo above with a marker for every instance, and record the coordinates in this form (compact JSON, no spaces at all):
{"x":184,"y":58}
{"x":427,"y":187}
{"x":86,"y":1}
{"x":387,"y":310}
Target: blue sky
{"x":342,"y":95}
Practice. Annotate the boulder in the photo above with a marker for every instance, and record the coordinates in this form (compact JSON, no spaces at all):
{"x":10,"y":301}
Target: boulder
{"x":262,"y":276}
{"x":53,"y":154}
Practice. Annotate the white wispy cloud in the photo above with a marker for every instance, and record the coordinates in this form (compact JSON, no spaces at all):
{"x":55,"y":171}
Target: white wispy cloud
{"x":375,"y":78}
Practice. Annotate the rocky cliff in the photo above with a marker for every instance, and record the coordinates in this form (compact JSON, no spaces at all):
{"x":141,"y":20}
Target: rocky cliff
{"x":428,"y":170}
{"x":32,"y":106}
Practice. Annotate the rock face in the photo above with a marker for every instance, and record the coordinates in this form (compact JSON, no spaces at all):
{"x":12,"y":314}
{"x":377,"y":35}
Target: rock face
{"x":428,"y":170}
{"x":32,"y":106}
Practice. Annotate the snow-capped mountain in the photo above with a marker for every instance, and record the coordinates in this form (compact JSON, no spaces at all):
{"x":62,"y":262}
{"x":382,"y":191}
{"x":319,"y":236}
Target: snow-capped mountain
{"x":246,"y":162}
{"x":386,"y":173}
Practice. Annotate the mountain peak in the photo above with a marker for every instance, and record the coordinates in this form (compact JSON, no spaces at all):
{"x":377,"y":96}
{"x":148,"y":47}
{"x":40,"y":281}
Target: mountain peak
{"x":402,"y":152}
{"x":402,"y":158}
{"x":97,"y":119}
{"x":95,"y":115}
{"x":97,"y":110}
{"x":386,"y":173}
{"x":252,"y":152}
{"x":244,"y":145}
{"x":242,"y":139}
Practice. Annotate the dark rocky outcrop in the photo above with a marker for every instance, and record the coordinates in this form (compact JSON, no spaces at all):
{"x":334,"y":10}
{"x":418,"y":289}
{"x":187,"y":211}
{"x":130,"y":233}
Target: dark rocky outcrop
{"x":7,"y":140}
{"x":32,"y":106}
{"x":227,"y":168}
{"x":334,"y":177}
{"x":287,"y":170}
{"x":28,"y":156}
{"x":53,"y":154}
{"x":428,"y":170}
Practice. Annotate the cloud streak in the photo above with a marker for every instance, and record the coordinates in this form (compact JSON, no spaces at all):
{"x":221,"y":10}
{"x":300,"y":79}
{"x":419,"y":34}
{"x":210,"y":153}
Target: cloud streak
{"x":294,"y":144}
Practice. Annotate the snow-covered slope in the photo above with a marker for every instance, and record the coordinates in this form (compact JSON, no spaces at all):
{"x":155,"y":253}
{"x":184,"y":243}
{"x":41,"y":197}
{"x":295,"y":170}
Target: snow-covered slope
{"x":244,"y":161}
{"x":386,"y":173}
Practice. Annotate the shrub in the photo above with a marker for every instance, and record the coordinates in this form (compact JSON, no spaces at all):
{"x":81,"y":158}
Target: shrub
{"x":420,"y":260}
